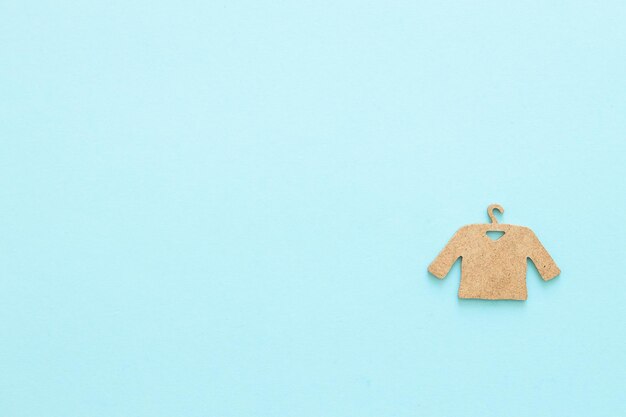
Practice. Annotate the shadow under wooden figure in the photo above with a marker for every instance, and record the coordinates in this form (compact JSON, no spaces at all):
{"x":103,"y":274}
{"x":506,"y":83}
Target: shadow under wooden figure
{"x":494,"y":269}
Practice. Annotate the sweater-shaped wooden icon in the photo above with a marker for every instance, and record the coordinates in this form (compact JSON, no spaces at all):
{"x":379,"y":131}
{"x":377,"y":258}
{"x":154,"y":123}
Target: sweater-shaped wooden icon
{"x":494,"y":269}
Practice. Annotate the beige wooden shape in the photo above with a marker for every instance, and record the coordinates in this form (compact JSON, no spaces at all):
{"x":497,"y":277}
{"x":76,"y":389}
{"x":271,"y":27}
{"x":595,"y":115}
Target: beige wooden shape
{"x":494,"y":269}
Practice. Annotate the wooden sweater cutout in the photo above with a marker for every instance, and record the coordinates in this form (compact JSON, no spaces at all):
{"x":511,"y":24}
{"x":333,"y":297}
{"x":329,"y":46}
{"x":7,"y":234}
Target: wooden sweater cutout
{"x":494,"y":269}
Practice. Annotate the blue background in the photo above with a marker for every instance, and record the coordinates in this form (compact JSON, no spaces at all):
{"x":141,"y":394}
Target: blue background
{"x":227,"y":208}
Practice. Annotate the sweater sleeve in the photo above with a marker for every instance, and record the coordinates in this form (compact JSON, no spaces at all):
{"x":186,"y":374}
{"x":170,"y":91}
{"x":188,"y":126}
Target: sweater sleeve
{"x":448,"y":256}
{"x":541,"y":258}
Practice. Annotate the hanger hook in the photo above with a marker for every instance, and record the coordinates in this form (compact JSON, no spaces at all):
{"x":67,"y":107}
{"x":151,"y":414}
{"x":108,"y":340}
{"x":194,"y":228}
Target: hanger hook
{"x":490,"y":210}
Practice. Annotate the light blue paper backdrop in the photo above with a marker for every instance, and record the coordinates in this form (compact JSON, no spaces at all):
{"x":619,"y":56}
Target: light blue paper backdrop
{"x":227,"y":208}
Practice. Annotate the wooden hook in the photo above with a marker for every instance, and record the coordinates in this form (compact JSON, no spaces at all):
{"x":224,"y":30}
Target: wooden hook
{"x":492,"y":216}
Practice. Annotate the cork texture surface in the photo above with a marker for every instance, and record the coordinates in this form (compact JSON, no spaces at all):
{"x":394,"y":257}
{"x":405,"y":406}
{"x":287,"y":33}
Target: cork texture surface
{"x":494,"y":269}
